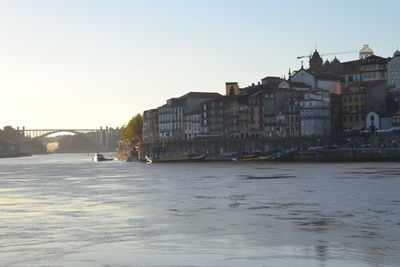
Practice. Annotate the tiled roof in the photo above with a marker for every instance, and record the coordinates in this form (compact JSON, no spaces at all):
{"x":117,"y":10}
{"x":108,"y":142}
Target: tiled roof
{"x":299,"y":84}
{"x":200,"y":95}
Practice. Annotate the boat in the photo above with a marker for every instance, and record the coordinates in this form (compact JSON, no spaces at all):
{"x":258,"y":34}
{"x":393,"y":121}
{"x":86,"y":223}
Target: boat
{"x":250,"y":157}
{"x":274,"y":156}
{"x":178,"y":158}
{"x":100,"y":157}
{"x":227,"y":156}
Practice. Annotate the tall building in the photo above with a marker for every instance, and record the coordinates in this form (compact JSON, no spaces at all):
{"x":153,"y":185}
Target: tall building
{"x":359,"y":99}
{"x":256,"y":113}
{"x":172,"y":114}
{"x":213,"y":117}
{"x":192,"y":125}
{"x":150,"y":126}
{"x":374,"y":68}
{"x":393,"y":77}
{"x":315,"y":113}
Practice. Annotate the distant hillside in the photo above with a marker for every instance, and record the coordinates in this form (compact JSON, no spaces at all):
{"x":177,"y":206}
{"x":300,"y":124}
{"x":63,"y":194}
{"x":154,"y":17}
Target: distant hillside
{"x":13,"y":143}
{"x":76,"y":144}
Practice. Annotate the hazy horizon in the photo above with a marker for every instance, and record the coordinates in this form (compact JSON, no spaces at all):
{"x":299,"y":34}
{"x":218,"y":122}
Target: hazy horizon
{"x":86,"y":64}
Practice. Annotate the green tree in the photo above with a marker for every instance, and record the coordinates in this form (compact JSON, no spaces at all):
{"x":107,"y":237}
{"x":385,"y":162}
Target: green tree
{"x":133,"y":132}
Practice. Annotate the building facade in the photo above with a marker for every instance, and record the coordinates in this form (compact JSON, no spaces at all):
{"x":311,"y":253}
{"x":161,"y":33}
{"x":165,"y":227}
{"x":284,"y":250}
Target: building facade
{"x":151,"y":126}
{"x":393,"y":77}
{"x":315,"y":113}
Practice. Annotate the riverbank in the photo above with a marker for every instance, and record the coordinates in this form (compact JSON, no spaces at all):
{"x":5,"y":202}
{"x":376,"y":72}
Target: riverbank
{"x":378,"y":147}
{"x":14,"y":155}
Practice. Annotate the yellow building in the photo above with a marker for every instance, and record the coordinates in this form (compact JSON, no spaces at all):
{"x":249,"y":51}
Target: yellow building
{"x":353,"y":104}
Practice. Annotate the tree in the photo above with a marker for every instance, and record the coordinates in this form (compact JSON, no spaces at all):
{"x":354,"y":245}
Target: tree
{"x":132,"y":133}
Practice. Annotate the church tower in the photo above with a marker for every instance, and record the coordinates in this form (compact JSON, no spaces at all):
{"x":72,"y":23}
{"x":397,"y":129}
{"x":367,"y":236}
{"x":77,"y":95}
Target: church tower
{"x":315,"y":61}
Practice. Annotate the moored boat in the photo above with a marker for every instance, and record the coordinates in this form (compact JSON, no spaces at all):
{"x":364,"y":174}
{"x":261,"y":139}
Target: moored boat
{"x":100,"y":157}
{"x":177,"y":158}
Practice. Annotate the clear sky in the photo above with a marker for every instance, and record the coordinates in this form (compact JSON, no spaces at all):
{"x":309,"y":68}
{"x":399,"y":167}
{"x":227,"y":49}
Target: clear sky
{"x":86,"y":64}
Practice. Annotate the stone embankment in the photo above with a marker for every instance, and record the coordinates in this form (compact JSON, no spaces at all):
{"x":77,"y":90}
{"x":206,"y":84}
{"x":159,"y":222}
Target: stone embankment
{"x":380,"y":148}
{"x":348,"y":155}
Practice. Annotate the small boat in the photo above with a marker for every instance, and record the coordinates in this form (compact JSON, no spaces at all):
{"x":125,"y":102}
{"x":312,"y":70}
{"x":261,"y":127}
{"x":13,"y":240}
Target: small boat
{"x":181,"y":158}
{"x":250,"y":157}
{"x":227,"y":156}
{"x":100,"y":157}
{"x":274,"y":156}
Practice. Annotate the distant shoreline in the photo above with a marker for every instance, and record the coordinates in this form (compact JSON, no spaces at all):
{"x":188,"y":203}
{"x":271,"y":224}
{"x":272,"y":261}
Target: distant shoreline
{"x":15,"y":155}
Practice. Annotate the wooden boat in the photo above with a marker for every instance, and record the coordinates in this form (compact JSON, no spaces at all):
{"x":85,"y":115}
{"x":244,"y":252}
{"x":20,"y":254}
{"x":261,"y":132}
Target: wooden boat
{"x":178,"y":158}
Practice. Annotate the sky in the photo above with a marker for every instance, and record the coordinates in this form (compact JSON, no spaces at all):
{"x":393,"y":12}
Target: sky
{"x":72,"y":64}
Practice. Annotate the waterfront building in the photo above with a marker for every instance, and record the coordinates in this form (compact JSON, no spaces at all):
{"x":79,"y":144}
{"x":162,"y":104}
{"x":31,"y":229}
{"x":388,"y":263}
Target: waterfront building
{"x":374,"y":68}
{"x":150,"y":126}
{"x":392,"y":101}
{"x":315,"y":113}
{"x":359,"y":99}
{"x":393,"y":77}
{"x":275,"y":109}
{"x":396,"y":121}
{"x":292,"y":117}
{"x":256,"y":113}
{"x":318,"y":80}
{"x":192,"y":125}
{"x":336,"y":114}
{"x":213,"y":118}
{"x":171,"y":115}
{"x":171,"y":120}
{"x":237,"y":116}
{"x":376,"y":97}
{"x":353,"y":104}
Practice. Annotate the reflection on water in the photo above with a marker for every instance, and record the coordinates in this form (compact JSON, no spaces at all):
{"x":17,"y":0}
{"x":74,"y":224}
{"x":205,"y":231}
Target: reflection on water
{"x":65,"y":210}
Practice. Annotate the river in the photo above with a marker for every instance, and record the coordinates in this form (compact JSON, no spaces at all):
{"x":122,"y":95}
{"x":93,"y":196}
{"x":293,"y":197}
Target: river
{"x":64,"y":210}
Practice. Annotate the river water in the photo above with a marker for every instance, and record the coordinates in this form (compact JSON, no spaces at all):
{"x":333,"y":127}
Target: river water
{"x":64,"y":210}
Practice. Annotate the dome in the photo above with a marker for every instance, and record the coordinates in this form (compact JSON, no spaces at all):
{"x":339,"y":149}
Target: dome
{"x":397,"y":53}
{"x":366,"y":49}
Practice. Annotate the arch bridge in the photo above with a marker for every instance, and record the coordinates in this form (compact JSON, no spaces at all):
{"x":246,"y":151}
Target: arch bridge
{"x":104,"y":138}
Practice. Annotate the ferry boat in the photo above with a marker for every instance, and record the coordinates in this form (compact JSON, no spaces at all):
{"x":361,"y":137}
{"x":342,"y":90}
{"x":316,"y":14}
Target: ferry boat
{"x":178,"y":158}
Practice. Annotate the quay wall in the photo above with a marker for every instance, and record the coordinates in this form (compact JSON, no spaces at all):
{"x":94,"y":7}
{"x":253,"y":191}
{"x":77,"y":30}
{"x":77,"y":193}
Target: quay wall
{"x":348,"y":155}
{"x":389,"y":152}
{"x":219,"y":146}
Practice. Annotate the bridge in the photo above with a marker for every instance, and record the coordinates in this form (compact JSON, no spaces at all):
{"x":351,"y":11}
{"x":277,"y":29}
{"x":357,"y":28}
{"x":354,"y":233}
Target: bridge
{"x":105,"y":139}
